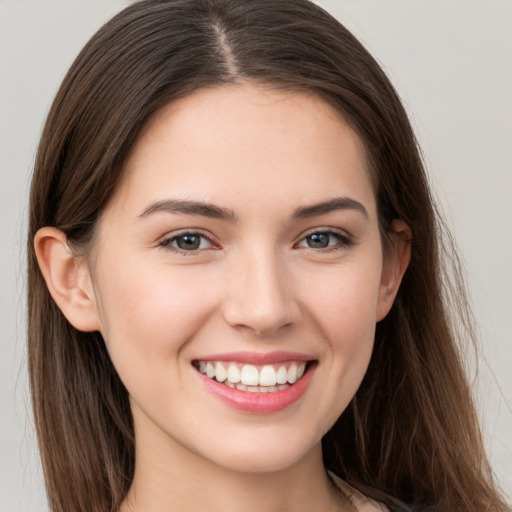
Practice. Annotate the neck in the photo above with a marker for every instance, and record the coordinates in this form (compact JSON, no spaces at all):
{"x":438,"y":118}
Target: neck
{"x":174,"y":478}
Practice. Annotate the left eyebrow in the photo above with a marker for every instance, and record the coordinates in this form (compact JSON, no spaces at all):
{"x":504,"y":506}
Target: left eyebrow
{"x":337,"y":203}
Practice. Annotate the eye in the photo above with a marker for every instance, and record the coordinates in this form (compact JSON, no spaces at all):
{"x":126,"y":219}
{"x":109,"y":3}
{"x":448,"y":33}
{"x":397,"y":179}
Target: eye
{"x":187,"y":242}
{"x":325,"y":240}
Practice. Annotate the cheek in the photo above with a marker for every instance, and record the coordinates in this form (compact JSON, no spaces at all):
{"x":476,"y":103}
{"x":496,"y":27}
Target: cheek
{"x":343,"y":306}
{"x":150,"y":315}
{"x":344,"y":302}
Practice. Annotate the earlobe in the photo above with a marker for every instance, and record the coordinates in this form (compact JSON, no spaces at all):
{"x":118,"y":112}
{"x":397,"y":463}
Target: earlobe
{"x":395,"y":264}
{"x":67,"y":278}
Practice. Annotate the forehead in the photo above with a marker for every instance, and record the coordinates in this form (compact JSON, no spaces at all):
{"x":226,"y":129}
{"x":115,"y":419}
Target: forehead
{"x":238,"y":144}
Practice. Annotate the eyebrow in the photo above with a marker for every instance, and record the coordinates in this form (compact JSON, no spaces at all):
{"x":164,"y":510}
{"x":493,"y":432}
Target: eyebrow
{"x":338,"y":203}
{"x":190,"y":208}
{"x":203,"y":209}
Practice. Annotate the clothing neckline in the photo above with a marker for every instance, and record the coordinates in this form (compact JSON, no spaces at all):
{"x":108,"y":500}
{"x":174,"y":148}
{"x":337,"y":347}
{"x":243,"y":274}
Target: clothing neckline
{"x":359,"y":501}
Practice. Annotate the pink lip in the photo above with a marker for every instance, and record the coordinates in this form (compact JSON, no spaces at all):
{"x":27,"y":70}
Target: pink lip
{"x":256,"y":358}
{"x":259,"y":403}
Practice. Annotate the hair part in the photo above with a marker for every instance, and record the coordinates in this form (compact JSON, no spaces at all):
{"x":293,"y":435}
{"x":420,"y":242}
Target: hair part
{"x":399,"y":440}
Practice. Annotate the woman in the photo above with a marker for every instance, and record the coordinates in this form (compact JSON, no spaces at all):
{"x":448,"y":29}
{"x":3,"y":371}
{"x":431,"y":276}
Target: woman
{"x":234,"y":276}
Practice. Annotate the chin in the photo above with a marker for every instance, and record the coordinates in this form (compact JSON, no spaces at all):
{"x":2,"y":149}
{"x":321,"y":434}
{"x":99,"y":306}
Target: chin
{"x":268,"y":463}
{"x":267,"y":456}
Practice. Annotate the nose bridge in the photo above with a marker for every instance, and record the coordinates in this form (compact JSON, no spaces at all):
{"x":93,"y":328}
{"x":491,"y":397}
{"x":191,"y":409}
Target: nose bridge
{"x":259,"y":295}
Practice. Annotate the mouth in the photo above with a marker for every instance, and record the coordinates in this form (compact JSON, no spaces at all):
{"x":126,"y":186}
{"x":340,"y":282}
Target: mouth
{"x":251,"y":378}
{"x":256,"y":388}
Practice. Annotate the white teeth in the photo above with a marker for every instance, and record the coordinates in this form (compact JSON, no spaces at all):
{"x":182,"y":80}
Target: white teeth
{"x":220,"y":372}
{"x":210,"y":370}
{"x":233,"y":373}
{"x":247,"y":377}
{"x":292,"y":374}
{"x":282,"y":375}
{"x":250,"y":375}
{"x":268,"y":376}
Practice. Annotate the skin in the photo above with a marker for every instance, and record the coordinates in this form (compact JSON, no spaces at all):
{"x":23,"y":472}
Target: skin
{"x":253,"y":284}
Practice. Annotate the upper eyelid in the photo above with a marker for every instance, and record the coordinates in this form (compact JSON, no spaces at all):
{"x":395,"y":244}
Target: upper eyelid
{"x":336,"y":231}
{"x":187,"y":231}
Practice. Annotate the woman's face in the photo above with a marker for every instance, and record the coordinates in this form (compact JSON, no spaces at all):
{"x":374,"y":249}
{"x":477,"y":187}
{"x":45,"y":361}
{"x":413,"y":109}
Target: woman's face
{"x":242,"y":245}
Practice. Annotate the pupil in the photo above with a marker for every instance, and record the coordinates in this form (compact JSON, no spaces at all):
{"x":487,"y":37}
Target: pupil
{"x":188,"y":242}
{"x":318,"y":240}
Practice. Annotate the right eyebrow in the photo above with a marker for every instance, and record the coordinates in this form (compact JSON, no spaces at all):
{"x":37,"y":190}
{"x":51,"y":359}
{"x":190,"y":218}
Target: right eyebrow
{"x":177,"y":206}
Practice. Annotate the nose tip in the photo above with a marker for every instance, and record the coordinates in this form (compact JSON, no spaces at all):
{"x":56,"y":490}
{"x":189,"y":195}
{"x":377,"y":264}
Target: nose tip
{"x":260,"y":300}
{"x":261,"y":322}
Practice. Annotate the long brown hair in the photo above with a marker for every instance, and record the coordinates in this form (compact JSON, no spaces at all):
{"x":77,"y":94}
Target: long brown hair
{"x":410,"y":434}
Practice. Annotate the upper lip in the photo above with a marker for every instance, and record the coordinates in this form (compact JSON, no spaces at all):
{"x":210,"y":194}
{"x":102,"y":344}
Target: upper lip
{"x":257,"y":358}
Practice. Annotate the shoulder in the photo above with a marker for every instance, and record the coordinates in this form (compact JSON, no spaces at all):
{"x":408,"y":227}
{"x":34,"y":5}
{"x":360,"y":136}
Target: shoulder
{"x":361,"y":502}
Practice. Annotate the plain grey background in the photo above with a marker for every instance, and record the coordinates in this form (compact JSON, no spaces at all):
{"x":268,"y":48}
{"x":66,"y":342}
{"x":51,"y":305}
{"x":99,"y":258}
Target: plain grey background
{"x":451,"y":61}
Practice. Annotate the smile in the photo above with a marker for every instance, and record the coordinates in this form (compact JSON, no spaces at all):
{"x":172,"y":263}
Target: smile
{"x":267,"y":378}
{"x":255,"y":383}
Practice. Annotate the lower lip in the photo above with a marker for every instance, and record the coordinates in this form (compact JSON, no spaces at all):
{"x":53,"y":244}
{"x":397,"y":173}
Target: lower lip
{"x":259,"y":403}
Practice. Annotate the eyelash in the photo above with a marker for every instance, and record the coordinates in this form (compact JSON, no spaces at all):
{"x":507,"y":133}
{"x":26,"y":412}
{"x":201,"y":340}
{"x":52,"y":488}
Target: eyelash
{"x":167,"y":243}
{"x":343,"y":242}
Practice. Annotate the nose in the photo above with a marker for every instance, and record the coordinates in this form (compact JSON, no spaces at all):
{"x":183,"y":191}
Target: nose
{"x":259,"y":295}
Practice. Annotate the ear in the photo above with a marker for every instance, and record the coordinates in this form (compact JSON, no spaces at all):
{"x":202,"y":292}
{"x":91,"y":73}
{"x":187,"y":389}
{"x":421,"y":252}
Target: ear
{"x":68,"y":279}
{"x":394,"y":267}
